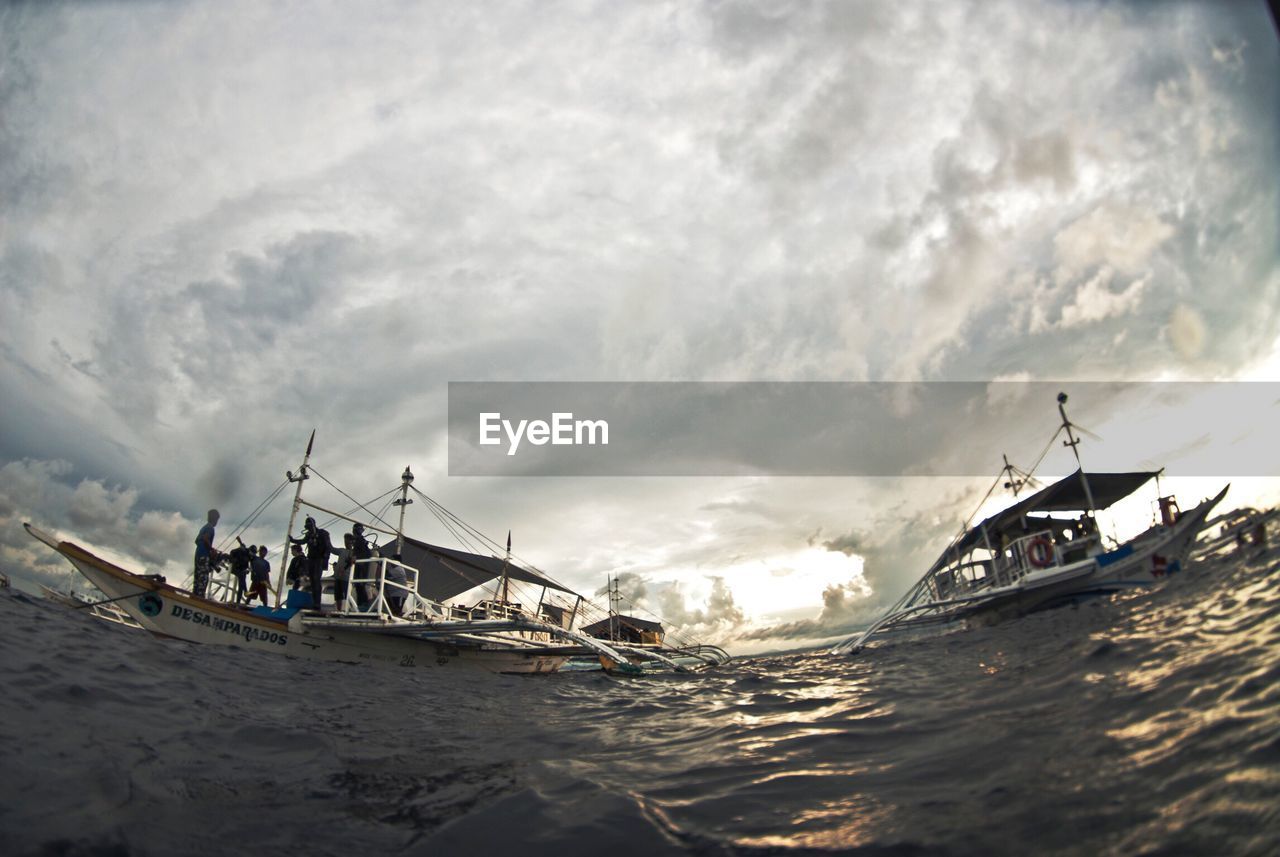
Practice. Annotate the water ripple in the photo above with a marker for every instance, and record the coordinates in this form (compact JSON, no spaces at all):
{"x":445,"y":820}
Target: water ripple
{"x":1145,"y":724}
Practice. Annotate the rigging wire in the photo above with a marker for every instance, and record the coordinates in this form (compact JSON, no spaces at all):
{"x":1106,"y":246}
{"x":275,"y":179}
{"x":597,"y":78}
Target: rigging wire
{"x":253,"y":516}
{"x":380,"y":513}
{"x":1027,"y":474}
{"x":1045,"y":451}
{"x":353,"y":499}
{"x":495,"y":547}
{"x":328,"y":522}
{"x":444,"y":517}
{"x":458,"y":522}
{"x":460,"y":529}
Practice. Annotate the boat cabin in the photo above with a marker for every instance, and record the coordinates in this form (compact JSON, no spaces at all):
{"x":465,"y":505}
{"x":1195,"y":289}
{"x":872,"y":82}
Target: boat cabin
{"x":1029,"y":537}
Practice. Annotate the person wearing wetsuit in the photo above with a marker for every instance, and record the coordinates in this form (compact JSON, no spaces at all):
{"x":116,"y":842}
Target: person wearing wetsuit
{"x":318,"y":549}
{"x":241,"y":557}
{"x":297,"y":568}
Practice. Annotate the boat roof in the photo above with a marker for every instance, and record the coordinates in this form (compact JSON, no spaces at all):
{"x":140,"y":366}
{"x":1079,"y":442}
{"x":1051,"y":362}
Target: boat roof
{"x":444,"y":572}
{"x":632,"y":621}
{"x":1065,"y":495}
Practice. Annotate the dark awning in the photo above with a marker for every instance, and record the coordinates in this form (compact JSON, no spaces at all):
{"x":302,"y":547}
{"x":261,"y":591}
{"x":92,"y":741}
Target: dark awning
{"x":627,"y":621}
{"x":444,"y":572}
{"x":1065,"y":495}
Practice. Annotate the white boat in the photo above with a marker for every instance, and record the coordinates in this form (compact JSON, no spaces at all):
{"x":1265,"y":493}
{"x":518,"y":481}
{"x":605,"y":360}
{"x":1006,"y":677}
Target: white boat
{"x":404,"y":621}
{"x":1029,"y":556}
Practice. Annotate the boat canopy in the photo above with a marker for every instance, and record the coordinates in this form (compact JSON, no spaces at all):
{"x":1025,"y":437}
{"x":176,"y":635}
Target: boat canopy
{"x":444,"y":573}
{"x":604,"y":625}
{"x":625,"y":628}
{"x":1065,"y":495}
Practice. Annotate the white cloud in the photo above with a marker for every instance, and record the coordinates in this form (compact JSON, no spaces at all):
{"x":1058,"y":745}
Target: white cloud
{"x":1119,"y":237}
{"x":1095,"y":300}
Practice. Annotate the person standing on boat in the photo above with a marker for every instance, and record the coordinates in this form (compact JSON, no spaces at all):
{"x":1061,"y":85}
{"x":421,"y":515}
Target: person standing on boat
{"x":359,"y":549}
{"x":205,"y":555}
{"x":342,"y":572}
{"x":297,"y":567}
{"x":241,"y":558}
{"x":318,"y":549}
{"x":261,"y":572}
{"x":397,"y":594}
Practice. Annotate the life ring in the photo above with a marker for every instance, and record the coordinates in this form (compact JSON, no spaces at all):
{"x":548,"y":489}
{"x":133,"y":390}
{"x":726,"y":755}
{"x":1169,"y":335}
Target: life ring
{"x":1040,"y":552}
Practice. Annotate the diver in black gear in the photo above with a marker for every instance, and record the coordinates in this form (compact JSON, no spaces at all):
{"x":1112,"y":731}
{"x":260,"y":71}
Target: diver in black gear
{"x":360,"y":550}
{"x":240,"y":558}
{"x":319,"y":548}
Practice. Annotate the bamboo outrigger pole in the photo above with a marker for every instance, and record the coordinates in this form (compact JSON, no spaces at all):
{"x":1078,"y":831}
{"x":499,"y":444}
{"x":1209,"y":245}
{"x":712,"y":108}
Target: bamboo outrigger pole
{"x":293,"y":514}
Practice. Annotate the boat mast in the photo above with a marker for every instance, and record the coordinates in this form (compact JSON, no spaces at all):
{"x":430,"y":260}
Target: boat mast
{"x":293,"y":515}
{"x":504,"y":586}
{"x":614,"y":598}
{"x":1011,"y":473}
{"x":406,"y":480}
{"x":1072,"y":441}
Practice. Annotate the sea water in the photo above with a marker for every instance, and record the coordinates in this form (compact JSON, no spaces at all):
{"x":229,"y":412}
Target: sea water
{"x":1146,"y":724}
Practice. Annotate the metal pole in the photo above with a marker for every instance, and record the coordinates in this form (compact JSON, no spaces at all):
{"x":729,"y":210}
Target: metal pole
{"x":1073,"y":442}
{"x":1014,"y":483}
{"x":293,"y":515}
{"x":613,"y":609}
{"x":506,"y":579}
{"x":406,"y":479}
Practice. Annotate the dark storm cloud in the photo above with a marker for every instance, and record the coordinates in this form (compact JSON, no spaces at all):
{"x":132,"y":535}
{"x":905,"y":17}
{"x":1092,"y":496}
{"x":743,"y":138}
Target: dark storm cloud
{"x":50,"y":496}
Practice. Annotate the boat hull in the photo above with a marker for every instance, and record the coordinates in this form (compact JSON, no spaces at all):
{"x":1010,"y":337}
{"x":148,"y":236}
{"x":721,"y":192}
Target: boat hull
{"x":168,"y":611}
{"x":1142,"y":561}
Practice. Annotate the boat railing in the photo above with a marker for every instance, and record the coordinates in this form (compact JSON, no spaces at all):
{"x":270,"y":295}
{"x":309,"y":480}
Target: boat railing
{"x":1032,"y":552}
{"x":959,"y":579}
{"x":224,"y":586}
{"x":385,"y":588}
{"x":484,"y":610}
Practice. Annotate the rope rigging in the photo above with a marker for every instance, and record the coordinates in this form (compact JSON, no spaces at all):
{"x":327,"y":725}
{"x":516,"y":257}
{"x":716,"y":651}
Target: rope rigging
{"x":466,"y":535}
{"x":253,"y":516}
{"x":354,"y":500}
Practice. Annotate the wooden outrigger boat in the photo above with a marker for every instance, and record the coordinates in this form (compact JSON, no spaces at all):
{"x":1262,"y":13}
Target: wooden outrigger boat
{"x":404,"y":619}
{"x":1028,"y":557}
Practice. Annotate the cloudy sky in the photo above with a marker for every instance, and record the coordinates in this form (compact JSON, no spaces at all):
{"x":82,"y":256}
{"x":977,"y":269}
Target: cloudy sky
{"x":225,"y":224}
